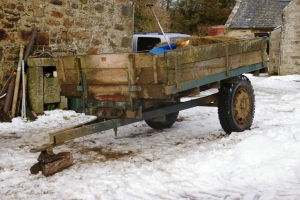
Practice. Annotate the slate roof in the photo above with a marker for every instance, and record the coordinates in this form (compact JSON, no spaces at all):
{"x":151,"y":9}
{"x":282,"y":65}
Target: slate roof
{"x":264,"y":14}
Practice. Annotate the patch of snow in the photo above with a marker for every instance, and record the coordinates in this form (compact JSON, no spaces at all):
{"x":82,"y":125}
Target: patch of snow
{"x":194,"y":159}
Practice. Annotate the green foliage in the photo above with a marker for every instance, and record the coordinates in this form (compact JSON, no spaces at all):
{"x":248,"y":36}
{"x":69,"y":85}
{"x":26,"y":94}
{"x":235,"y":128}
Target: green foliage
{"x":50,"y":106}
{"x":189,"y":16}
{"x":194,"y":16}
{"x":144,"y":21}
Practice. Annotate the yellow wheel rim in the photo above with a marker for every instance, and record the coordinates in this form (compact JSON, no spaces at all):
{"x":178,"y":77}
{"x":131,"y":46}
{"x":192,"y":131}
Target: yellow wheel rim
{"x":241,"y":105}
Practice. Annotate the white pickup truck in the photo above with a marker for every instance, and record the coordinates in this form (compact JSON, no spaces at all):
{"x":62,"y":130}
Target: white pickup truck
{"x":145,"y":41}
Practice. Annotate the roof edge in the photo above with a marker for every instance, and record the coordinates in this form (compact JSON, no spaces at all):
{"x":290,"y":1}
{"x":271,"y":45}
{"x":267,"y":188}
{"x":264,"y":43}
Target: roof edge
{"x":233,"y":13}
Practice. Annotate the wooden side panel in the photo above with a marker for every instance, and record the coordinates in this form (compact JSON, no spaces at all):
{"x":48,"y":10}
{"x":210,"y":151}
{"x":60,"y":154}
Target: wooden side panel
{"x":150,"y":69}
{"x":194,"y":63}
{"x":131,"y":76}
{"x":211,"y":51}
{"x":106,"y":75}
{"x":196,"y":70}
{"x":66,"y":70}
{"x":102,"y":69}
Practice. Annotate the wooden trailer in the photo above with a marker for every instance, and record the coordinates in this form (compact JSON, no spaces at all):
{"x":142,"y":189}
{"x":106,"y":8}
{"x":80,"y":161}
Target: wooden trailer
{"x":123,"y":88}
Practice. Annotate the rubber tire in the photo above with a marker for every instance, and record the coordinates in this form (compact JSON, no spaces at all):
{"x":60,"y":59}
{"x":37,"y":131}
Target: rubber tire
{"x":170,"y":120}
{"x":226,"y":109}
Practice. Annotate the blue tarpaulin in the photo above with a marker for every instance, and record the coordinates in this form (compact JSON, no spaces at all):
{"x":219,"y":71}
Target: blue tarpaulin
{"x":161,"y":49}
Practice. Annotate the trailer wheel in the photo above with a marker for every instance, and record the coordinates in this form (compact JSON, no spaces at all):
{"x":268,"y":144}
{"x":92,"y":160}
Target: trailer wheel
{"x":170,"y":120}
{"x":236,"y":105}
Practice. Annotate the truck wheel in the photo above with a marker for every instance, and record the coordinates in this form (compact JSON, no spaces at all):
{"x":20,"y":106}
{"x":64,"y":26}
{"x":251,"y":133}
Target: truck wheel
{"x":170,"y":120}
{"x":236,"y":105}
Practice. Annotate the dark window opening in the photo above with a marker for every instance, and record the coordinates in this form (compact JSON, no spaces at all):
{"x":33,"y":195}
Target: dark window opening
{"x":147,"y":43}
{"x":267,"y":37}
{"x":261,"y":34}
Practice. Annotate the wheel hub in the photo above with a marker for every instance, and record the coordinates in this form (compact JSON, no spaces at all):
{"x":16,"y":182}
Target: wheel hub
{"x":241,"y":109}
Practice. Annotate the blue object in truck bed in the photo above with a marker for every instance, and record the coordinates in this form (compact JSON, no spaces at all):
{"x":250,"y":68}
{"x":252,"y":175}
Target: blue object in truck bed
{"x":161,"y":49}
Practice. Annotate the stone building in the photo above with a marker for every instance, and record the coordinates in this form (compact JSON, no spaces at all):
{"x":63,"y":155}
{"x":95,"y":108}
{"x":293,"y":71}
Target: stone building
{"x":288,"y":61}
{"x":254,"y":18}
{"x":74,"y":26}
{"x":277,"y":19}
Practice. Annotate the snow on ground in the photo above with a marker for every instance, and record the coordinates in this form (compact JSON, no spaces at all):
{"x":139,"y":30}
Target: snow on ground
{"x":194,"y":159}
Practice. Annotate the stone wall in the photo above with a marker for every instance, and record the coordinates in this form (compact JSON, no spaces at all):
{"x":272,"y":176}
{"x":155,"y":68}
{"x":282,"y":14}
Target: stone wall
{"x":65,"y":26}
{"x":244,"y":33}
{"x":274,"y":54}
{"x":290,"y":40}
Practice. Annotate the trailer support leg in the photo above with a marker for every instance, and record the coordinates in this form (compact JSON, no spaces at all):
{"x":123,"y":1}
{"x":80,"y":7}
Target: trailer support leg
{"x":116,"y":131}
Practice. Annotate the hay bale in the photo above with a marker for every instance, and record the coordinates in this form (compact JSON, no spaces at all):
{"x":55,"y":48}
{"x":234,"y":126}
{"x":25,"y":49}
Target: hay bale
{"x":198,"y":41}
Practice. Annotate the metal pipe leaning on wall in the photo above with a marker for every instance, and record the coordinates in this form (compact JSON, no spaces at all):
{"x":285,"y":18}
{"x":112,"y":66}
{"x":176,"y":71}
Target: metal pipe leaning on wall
{"x":9,"y":94}
{"x":4,"y":89}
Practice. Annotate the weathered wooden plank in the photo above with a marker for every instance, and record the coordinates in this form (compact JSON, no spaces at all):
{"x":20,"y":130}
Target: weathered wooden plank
{"x":110,"y":61}
{"x":144,"y":60}
{"x":66,"y":70}
{"x":153,"y":70}
{"x":106,"y":76}
{"x":208,"y":52}
{"x":196,"y":70}
{"x":152,"y":91}
{"x":108,"y":92}
{"x":121,"y":92}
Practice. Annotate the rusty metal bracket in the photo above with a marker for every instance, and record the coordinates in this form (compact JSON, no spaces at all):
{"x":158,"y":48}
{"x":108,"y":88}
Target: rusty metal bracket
{"x":85,"y":90}
{"x":129,"y":91}
{"x":79,"y":64}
